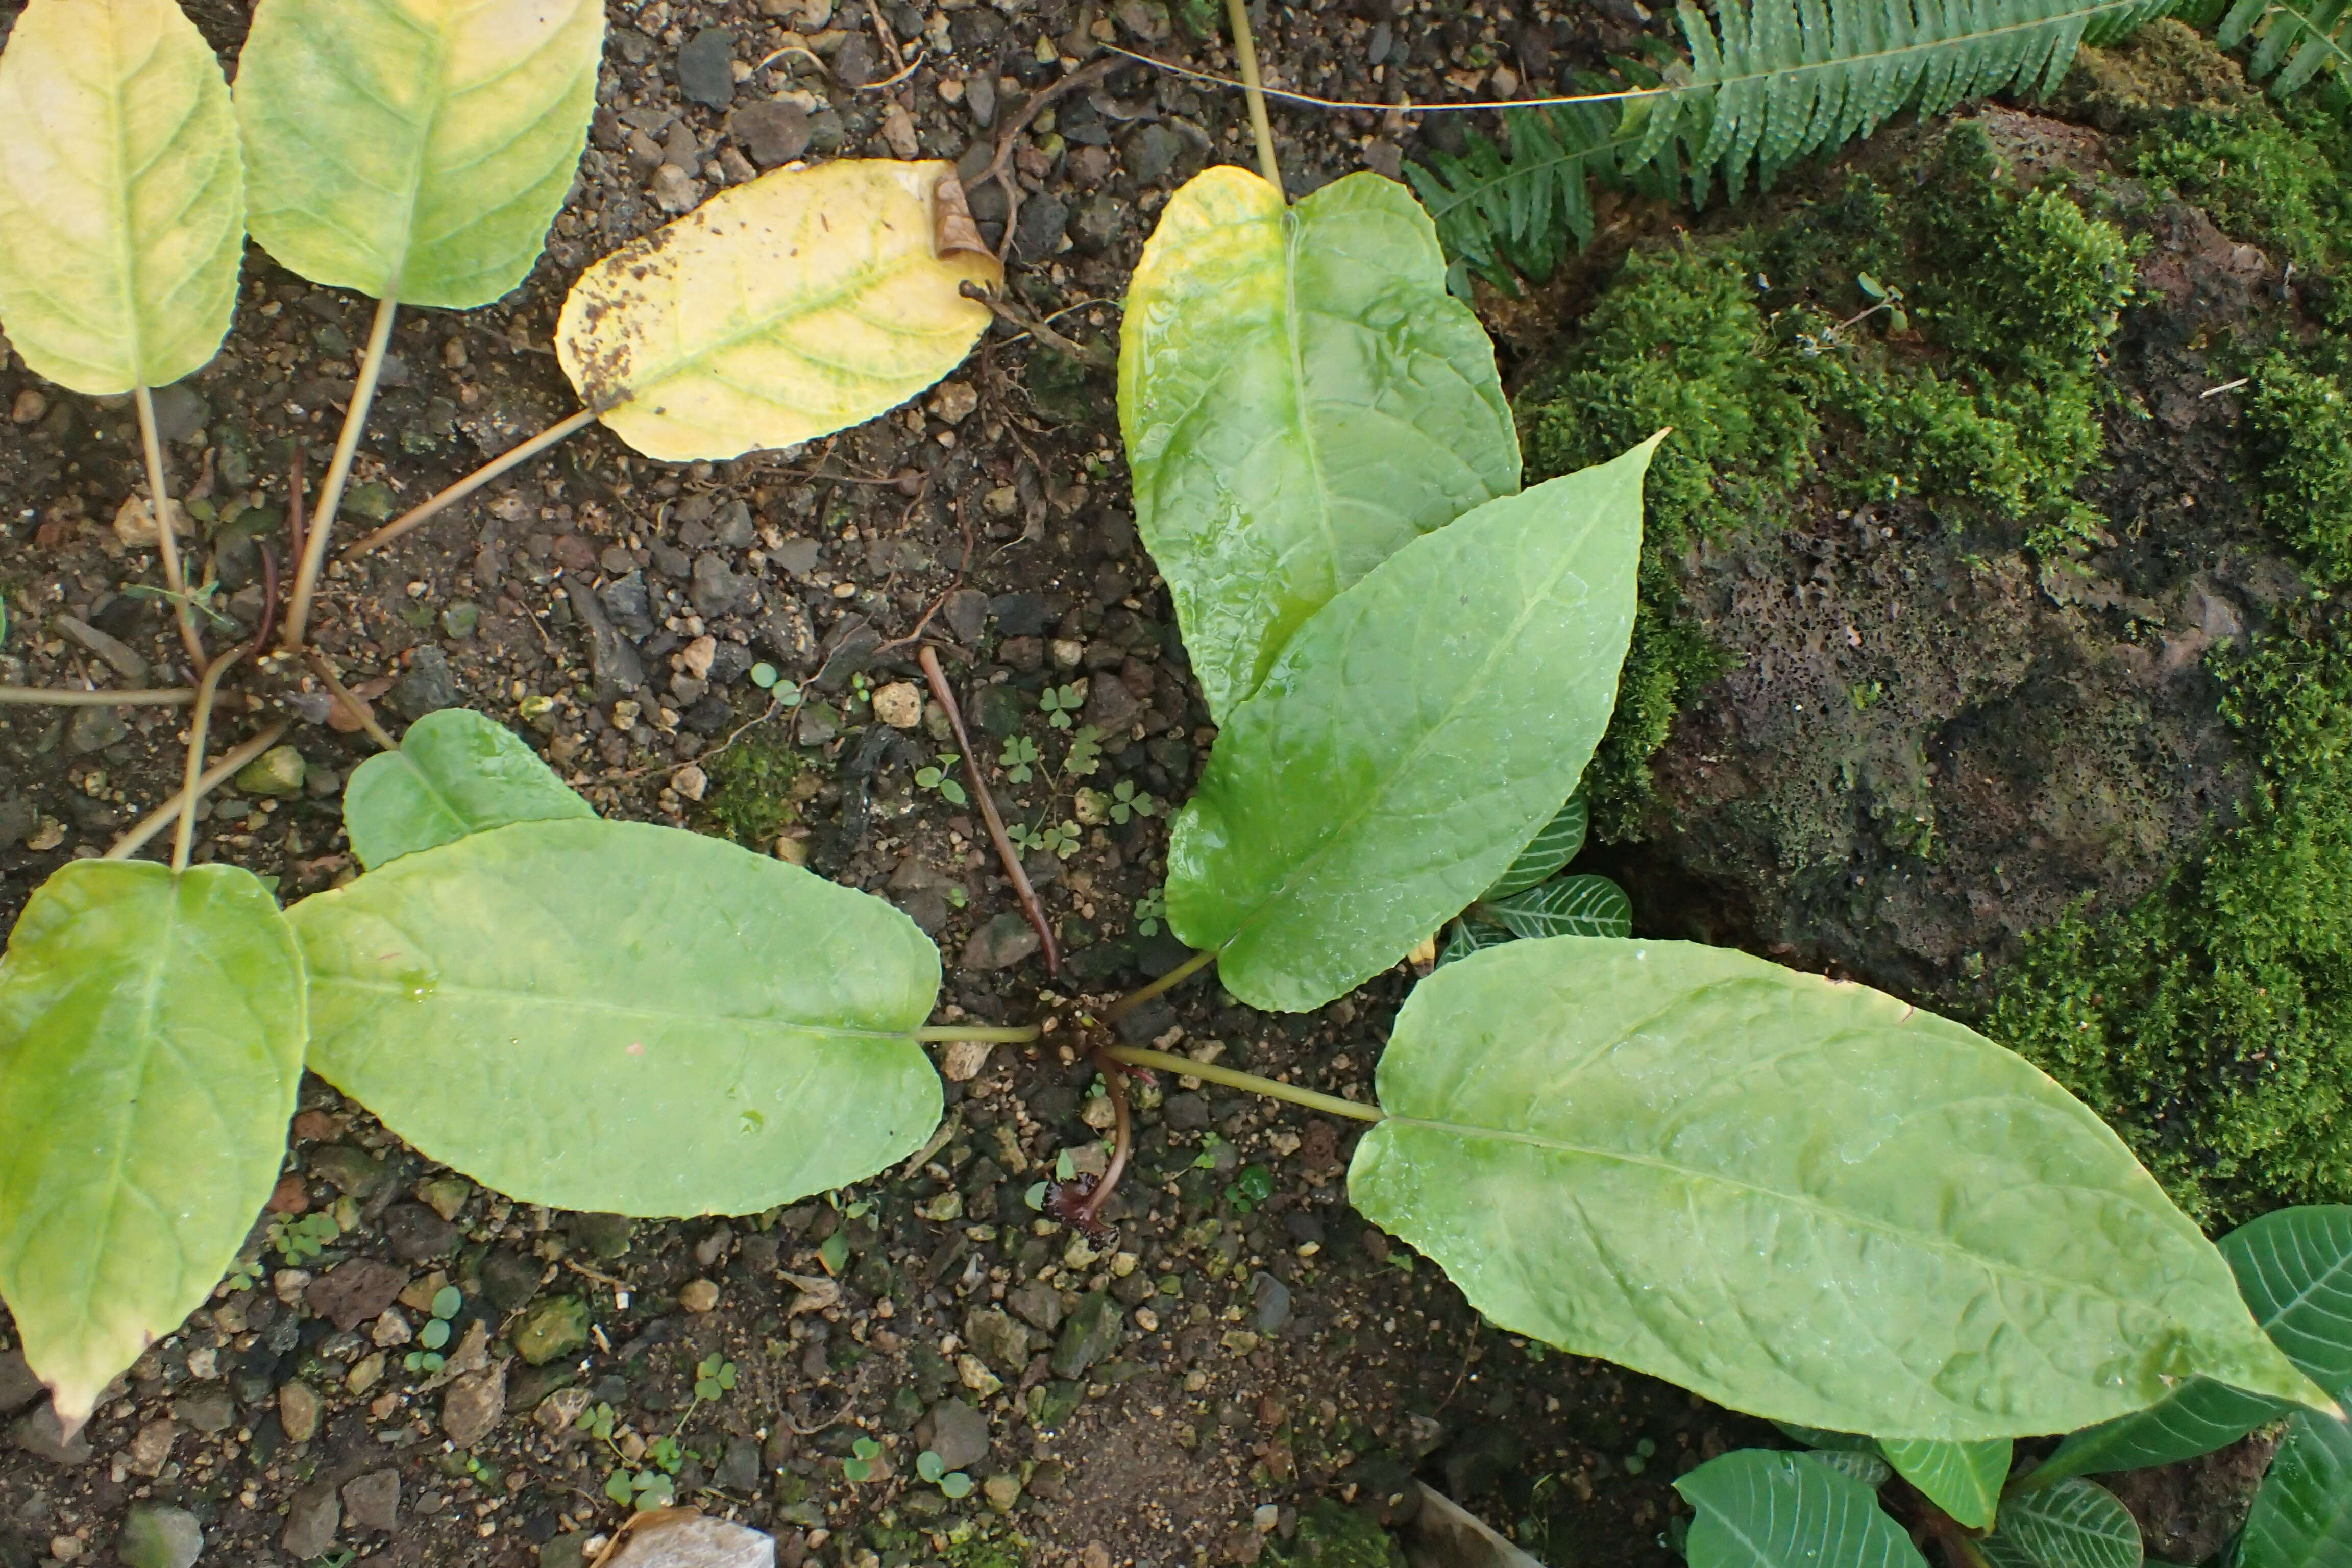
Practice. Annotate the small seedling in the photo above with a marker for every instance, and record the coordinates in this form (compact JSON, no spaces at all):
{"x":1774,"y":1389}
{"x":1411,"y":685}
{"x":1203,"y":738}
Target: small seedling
{"x":435,"y":1334}
{"x":1252,"y":1186}
{"x":1085,"y":752}
{"x":298,"y":1241}
{"x":1127,"y":801}
{"x":714,"y":1378}
{"x":1150,"y":911}
{"x":934,"y":1469}
{"x":642,"y":1491}
{"x":938,"y":778}
{"x":764,"y":676}
{"x":864,"y":1462}
{"x":834,"y":1253}
{"x":1059,"y":702}
{"x":1019,"y":759}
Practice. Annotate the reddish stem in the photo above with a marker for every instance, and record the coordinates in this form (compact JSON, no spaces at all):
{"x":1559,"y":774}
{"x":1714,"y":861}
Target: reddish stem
{"x":1081,"y":1205}
{"x":996,"y":834}
{"x":268,"y":601}
{"x":294,"y":502}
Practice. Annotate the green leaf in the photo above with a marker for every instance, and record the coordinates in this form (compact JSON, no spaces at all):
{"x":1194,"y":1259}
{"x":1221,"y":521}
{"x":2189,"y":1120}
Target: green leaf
{"x":1410,"y":740}
{"x":455,"y":773}
{"x":1467,"y":936}
{"x":435,"y":1334}
{"x":1572,"y":905}
{"x":1552,"y":848}
{"x":151,"y":1042}
{"x":1796,"y":1198}
{"x":2294,"y":1268}
{"x":2302,"y":1516}
{"x":1867,"y":1468}
{"x":122,"y":194}
{"x":2074,"y":1524}
{"x":834,"y":1253}
{"x":446,"y":1300}
{"x":2198,"y":1417}
{"x":415,"y":149}
{"x":1821,"y":1437}
{"x":617,"y":1017}
{"x":1300,"y":398}
{"x":1964,"y":1480}
{"x":955,"y":1484}
{"x":929,"y":1466}
{"x":1759,"y":1508}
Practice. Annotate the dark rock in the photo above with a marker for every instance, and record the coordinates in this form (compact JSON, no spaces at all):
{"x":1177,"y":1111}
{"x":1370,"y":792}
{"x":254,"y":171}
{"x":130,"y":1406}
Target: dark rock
{"x":355,"y":1292}
{"x":1151,"y":152}
{"x":1305,"y":1227}
{"x":208,"y":1410}
{"x":158,"y":1537}
{"x":740,"y":1470}
{"x":311,"y":1523}
{"x":1021,"y":615}
{"x":1003,"y":943}
{"x":40,"y":1435}
{"x":611,"y":659}
{"x":716,"y":590}
{"x":1090,"y":1333}
{"x":1037,"y":232}
{"x":18,"y":1387}
{"x":429,"y":686}
{"x":1111,"y":708}
{"x":705,"y":67}
{"x":353,"y":1171}
{"x":93,"y":729}
{"x":471,"y":1410}
{"x":629,"y":602}
{"x":1155,"y":1017}
{"x":180,"y":412}
{"x":733,"y":528}
{"x":959,"y":1434}
{"x":849,"y":651}
{"x":372,"y":1501}
{"x":1269,"y":1303}
{"x":1096,"y":226}
{"x":998,"y":1341}
{"x":854,"y":64}
{"x":966,"y":613}
{"x":997,"y":711}
{"x":1053,"y":1404}
{"x":772,"y":133}
{"x":605,"y":1235}
{"x":418,"y":1233}
{"x":508,"y":1279}
{"x":1037,"y":1303}
{"x":1185,"y":1112}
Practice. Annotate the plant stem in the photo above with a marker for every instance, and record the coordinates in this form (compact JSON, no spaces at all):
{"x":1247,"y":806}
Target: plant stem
{"x":512,"y":457}
{"x":157,"y":696}
{"x":1089,"y":1216}
{"x":1329,"y":1104}
{"x":996,"y":834}
{"x":1020,"y":1035}
{"x":166,"y":546}
{"x":160,"y":819}
{"x":206,"y":691}
{"x":1245,"y":53}
{"x":339,"y":472}
{"x":359,"y":710}
{"x":1167,"y":982}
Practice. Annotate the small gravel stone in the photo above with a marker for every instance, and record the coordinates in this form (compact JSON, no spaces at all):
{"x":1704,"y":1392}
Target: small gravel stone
{"x":959,"y":1434}
{"x":471,"y":1410}
{"x":93,"y":729}
{"x":429,"y":686}
{"x":372,"y":1501}
{"x":508,"y":1279}
{"x":898,"y":704}
{"x":1037,"y":234}
{"x":1003,"y":943}
{"x":772,"y":133}
{"x":151,"y":1448}
{"x":1269,"y":1303}
{"x":418,"y":1233}
{"x":157,"y":1537}
{"x":1003,"y":1343}
{"x":210,"y":1411}
{"x":716,"y":590}
{"x":297,"y":1411}
{"x":1002,"y":1490}
{"x":552,"y":1329}
{"x":1037,"y":1303}
{"x":1090,"y":1333}
{"x":356,"y":1293}
{"x":698,"y":1296}
{"x":705,"y":67}
{"x":740,"y":1470}
{"x":115,"y":652}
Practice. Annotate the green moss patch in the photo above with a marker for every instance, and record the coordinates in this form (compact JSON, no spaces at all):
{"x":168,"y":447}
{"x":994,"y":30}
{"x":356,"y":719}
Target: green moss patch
{"x":750,"y":782}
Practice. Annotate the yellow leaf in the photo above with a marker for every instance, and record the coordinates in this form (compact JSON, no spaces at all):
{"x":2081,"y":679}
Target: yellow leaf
{"x":121,"y":195}
{"x":801,"y":303}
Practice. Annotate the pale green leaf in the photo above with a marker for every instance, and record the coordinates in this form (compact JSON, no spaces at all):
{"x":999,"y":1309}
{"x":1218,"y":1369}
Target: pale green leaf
{"x":1300,"y":398}
{"x":1799,"y":1198}
{"x":1552,"y":848}
{"x":1572,"y":905}
{"x":455,"y":773}
{"x":2198,"y":1417}
{"x":1759,"y":1508}
{"x":2074,"y":1524}
{"x":151,"y":1043}
{"x":122,"y":194}
{"x":1410,"y":740}
{"x":416,"y":149}
{"x":780,"y":311}
{"x":2294,"y":1268}
{"x":1964,"y":1480}
{"x":608,"y":1015}
{"x":2302,"y":1516}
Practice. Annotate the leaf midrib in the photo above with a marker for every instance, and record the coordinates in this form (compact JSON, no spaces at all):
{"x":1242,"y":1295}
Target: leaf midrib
{"x":461,"y":991}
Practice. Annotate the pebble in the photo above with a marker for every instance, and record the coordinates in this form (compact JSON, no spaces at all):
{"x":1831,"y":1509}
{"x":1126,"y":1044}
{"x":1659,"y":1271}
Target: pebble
{"x":311,"y":1523}
{"x":277,"y":772}
{"x":209,"y":1410}
{"x":1090,"y":1333}
{"x":716,"y":590}
{"x":898,"y":704}
{"x":1037,"y":1303}
{"x":297,"y":1411}
{"x":740,"y":1470}
{"x":40,"y":1435}
{"x":158,"y":1537}
{"x":151,"y":1448}
{"x":30,"y":406}
{"x":114,"y":650}
{"x":552,"y":1329}
{"x":1269,"y":1303}
{"x":959,"y":1434}
{"x":471,"y":1410}
{"x":508,"y":1279}
{"x":94,"y":729}
{"x":676,"y":190}
{"x":429,"y":686}
{"x":1003,"y":943}
{"x":1002,"y":1341}
{"x":418,"y":1233}
{"x":772,"y":133}
{"x":1002,"y":1491}
{"x":372,"y":1501}
{"x":698,"y":1296}
{"x":705,"y":67}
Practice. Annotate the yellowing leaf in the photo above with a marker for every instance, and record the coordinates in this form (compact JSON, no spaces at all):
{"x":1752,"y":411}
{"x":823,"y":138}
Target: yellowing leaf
{"x":804,"y":302}
{"x":416,"y":149}
{"x":121,"y":195}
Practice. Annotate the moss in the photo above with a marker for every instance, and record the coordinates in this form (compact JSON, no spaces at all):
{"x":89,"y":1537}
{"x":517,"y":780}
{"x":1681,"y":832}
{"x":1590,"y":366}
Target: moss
{"x":2212,"y":1022}
{"x":2280,"y":176}
{"x":750,"y":799}
{"x":1331,"y":1535}
{"x":2302,"y":426}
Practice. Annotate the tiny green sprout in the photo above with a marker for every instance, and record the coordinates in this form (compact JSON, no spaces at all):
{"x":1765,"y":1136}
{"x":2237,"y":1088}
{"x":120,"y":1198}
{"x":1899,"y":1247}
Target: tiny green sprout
{"x":1206,"y":1159}
{"x":930,"y":1466}
{"x":245,"y":1274}
{"x":427,"y":1361}
{"x":1058,"y":702}
{"x":1019,"y":759}
{"x":1253,"y":1185}
{"x":435,"y":1334}
{"x":937,"y":778}
{"x":666,"y":1455}
{"x":1061,"y":840}
{"x":1035,"y":1196}
{"x":955,"y":1484}
{"x":834,"y":1253}
{"x":1086,"y":752}
{"x":957,"y":896}
{"x":1065,"y":1168}
{"x":446,"y":1302}
{"x":300,"y":1240}
{"x":764,"y":676}
{"x":1126,"y":801}
{"x":864,"y":1463}
{"x":714,"y":1378}
{"x":1150,"y":911}
{"x":788,"y":696}
{"x":859,"y":1209}
{"x":598,"y":1421}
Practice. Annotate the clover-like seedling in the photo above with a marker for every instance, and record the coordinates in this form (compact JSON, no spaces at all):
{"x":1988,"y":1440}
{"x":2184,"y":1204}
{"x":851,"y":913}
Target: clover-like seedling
{"x":939,"y":779}
{"x":714,"y":1378}
{"x":1127,"y":801}
{"x":1150,"y":911}
{"x":1019,"y":759}
{"x":1058,"y":702}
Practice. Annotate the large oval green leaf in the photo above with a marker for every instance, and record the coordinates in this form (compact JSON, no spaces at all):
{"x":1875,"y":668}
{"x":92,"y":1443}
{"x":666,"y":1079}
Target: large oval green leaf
{"x":1964,"y":1480}
{"x":1799,"y":1198}
{"x":2302,"y":1516}
{"x":1759,"y":1508}
{"x":1300,"y":398}
{"x":2294,"y":1268}
{"x":416,"y":149}
{"x":122,"y":194}
{"x":2074,"y":1524}
{"x":1411,"y":740}
{"x":614,"y":1016}
{"x":151,"y":1043}
{"x":455,"y":773}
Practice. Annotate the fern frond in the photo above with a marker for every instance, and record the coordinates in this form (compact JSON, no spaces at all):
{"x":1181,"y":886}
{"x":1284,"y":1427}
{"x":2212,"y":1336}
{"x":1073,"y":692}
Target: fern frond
{"x":2299,"y":38}
{"x":1505,"y":214}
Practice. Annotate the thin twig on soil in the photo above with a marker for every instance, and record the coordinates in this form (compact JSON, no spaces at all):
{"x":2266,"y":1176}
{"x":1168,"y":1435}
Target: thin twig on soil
{"x":136,"y":697}
{"x":264,"y":628}
{"x":996,"y":834}
{"x":358,"y":710}
{"x":197,"y":727}
{"x":999,"y":167}
{"x":512,"y":457}
{"x":339,"y":472}
{"x":1253,"y":90}
{"x":1311,"y":101}
{"x":297,"y":539}
{"x":1095,"y":354}
{"x":162,"y":817}
{"x":167,"y":547}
